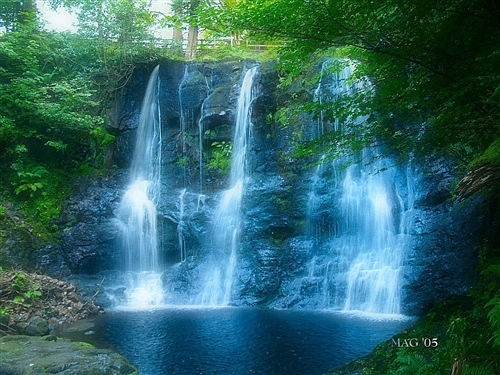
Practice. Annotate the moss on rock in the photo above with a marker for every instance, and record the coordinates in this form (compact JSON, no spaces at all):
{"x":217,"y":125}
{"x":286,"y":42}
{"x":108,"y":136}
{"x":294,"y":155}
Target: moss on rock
{"x":37,"y":355}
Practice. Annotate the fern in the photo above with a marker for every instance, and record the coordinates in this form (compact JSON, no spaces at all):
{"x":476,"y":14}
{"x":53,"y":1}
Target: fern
{"x":478,"y":370}
{"x":412,"y":364}
{"x":30,"y":179}
{"x":494,"y":318}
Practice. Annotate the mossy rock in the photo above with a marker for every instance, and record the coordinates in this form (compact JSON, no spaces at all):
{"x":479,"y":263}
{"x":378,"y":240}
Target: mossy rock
{"x":31,"y":355}
{"x":37,"y":326}
{"x":491,"y":156}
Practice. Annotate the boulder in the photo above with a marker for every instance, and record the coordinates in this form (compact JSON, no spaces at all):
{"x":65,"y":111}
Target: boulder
{"x":37,"y":355}
{"x":37,"y":326}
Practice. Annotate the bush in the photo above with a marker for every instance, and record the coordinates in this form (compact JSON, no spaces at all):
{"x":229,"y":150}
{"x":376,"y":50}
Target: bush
{"x":220,"y":159}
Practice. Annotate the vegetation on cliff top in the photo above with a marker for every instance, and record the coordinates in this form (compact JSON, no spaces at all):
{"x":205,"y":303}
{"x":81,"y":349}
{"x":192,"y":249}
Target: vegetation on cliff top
{"x":432,"y":65}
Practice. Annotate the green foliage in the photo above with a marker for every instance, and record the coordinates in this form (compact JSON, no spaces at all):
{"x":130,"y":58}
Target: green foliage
{"x":220,"y":159}
{"x":26,"y":291}
{"x":431,"y":67}
{"x":101,"y":136}
{"x":494,"y":318}
{"x":20,"y":282}
{"x":218,"y":50}
{"x":124,"y":21}
{"x":9,"y":13}
{"x":478,"y":370}
{"x":15,"y":12}
{"x":46,"y":104}
{"x":55,"y":91}
{"x":209,"y":133}
{"x":29,"y":180}
{"x":491,"y":156}
{"x":183,"y":161}
{"x":412,"y":364}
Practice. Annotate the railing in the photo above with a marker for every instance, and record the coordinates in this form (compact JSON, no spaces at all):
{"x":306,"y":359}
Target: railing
{"x":233,"y":42}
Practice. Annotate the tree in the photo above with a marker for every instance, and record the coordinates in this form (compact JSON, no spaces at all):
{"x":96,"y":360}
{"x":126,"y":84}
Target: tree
{"x":430,"y":62}
{"x":16,"y":11}
{"x":120,"y":30}
{"x":55,"y":92}
{"x":193,"y":29}
{"x":177,"y":9}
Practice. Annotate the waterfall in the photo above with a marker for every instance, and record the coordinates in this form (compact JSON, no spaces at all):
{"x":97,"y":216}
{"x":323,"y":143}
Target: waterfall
{"x":227,"y":218}
{"x":180,"y":227}
{"x":314,"y":203}
{"x":137,"y":212}
{"x":200,"y":136}
{"x":318,"y":97}
{"x":370,"y":238}
{"x":333,"y":85}
{"x":358,"y":218}
{"x":183,"y":119}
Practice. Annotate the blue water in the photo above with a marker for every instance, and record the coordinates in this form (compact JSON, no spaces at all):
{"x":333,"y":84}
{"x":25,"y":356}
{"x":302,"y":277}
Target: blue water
{"x":239,"y":340}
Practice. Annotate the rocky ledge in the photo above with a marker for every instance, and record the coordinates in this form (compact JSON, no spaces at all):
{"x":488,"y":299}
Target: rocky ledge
{"x":51,"y":355}
{"x":36,"y":304}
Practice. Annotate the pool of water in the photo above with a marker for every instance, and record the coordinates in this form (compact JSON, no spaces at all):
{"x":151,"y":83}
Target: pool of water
{"x":239,"y":340}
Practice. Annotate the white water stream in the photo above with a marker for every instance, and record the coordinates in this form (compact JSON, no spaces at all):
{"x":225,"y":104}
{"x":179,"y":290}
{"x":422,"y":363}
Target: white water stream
{"x":227,"y":218}
{"x":137,"y":212}
{"x":368,"y":220}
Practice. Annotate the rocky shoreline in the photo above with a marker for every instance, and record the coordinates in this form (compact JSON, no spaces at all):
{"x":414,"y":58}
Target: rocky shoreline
{"x":51,"y":355}
{"x":36,"y":304}
{"x":33,"y":307}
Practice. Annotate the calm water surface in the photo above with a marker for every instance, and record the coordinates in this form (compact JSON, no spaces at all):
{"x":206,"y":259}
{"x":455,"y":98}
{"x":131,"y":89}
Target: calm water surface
{"x":239,"y":340}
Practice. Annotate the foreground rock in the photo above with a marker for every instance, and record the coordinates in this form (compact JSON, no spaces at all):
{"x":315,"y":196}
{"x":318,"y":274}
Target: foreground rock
{"x":36,"y":304}
{"x":38,"y":355}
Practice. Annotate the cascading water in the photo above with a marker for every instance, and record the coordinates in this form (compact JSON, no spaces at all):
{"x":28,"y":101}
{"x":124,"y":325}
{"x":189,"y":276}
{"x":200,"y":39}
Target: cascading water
{"x":183,"y":118}
{"x":318,"y":97}
{"x":137,"y":212}
{"x":357,"y":217}
{"x":371,"y":239}
{"x":227,"y":218}
{"x":357,"y":260}
{"x":200,"y":137}
{"x":180,"y":226}
{"x":314,"y":226}
{"x":329,"y":90}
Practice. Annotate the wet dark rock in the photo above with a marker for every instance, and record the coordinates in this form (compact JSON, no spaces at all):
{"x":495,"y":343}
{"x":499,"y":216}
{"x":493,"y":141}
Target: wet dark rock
{"x":437,"y":177}
{"x":443,"y":253}
{"x":88,"y":243}
{"x":81,"y":326}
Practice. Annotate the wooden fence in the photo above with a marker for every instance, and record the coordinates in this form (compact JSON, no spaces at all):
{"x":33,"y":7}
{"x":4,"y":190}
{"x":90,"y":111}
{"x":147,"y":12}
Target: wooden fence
{"x":208,"y":43}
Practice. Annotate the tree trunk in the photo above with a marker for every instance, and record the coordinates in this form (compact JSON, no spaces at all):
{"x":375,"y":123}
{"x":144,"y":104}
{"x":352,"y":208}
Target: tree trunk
{"x":192,"y":42}
{"x":177,"y":40}
{"x":177,"y":35}
{"x":29,"y":6}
